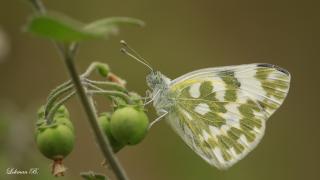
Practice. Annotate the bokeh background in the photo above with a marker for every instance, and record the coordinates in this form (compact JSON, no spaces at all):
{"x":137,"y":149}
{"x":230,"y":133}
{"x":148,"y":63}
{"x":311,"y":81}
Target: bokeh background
{"x":180,"y":36}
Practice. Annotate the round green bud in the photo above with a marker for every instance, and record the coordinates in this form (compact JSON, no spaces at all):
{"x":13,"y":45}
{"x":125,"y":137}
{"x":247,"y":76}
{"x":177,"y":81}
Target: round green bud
{"x":62,"y":111}
{"x":129,"y":125}
{"x":104,"y":123}
{"x":55,"y":141}
{"x":61,"y":117}
{"x":64,"y":121}
{"x":103,"y":69}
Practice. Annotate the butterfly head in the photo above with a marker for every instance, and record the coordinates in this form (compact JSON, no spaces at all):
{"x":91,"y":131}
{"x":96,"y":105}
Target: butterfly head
{"x":156,"y":80}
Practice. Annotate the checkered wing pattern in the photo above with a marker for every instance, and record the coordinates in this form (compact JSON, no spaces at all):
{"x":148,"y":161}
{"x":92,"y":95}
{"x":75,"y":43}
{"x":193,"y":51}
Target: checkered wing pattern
{"x":221,"y":113}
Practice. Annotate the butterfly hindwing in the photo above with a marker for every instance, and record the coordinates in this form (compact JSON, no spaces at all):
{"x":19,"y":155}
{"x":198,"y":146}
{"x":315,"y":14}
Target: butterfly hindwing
{"x":221,"y":112}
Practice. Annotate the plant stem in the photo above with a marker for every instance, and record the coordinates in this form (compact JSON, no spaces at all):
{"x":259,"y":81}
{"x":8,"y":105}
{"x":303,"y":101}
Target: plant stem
{"x":108,"y":84}
{"x":54,"y":109}
{"x":112,"y":93}
{"x":90,"y":111}
{"x":90,"y":69}
{"x":58,"y":88}
{"x":68,"y":56}
{"x":38,"y":6}
{"x":54,"y":96}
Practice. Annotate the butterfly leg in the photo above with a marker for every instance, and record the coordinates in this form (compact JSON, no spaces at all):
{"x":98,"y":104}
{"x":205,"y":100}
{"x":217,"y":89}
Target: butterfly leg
{"x":147,"y":97}
{"x":152,"y":97}
{"x":158,"y":118}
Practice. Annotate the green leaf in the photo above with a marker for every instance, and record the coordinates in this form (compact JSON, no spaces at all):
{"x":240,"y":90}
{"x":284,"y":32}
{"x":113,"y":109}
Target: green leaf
{"x":110,"y":26}
{"x":62,"y":28}
{"x":93,"y":176}
{"x":59,"y":28}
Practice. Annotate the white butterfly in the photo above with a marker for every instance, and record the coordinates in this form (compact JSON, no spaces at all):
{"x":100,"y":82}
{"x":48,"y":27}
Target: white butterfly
{"x":220,"y":113}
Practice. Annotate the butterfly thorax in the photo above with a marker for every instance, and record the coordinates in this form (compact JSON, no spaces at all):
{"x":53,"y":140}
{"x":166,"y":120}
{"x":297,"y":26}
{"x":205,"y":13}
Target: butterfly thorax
{"x":159,"y":84}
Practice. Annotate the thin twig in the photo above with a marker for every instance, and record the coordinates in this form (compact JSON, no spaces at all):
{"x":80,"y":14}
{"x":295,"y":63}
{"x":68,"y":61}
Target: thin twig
{"x":93,"y":86}
{"x":114,"y":85}
{"x":38,"y":6}
{"x":57,"y":105}
{"x":52,"y":99}
{"x":112,"y":93}
{"x":58,"y":88}
{"x":90,"y":69}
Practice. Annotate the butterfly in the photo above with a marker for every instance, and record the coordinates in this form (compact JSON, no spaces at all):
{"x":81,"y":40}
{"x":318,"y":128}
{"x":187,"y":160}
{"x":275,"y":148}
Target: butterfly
{"x":220,"y":112}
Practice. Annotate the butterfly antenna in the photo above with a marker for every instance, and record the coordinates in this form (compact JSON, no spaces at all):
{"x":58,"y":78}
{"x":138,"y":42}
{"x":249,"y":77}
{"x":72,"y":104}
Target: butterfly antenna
{"x":125,"y":44}
{"x":134,"y":53}
{"x":123,"y":50}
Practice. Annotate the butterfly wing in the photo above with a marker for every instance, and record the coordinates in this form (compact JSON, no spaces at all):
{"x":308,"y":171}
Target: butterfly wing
{"x":221,"y":112}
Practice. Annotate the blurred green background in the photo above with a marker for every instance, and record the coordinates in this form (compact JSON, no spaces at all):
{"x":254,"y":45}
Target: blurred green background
{"x":180,"y":36}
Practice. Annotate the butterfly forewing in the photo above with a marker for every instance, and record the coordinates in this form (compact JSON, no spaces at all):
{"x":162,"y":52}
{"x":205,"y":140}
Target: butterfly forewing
{"x":221,"y":112}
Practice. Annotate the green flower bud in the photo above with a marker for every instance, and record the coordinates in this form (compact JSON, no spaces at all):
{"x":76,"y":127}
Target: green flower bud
{"x":103,"y":69}
{"x":129,"y":125}
{"x":104,"y":123}
{"x":55,"y":141}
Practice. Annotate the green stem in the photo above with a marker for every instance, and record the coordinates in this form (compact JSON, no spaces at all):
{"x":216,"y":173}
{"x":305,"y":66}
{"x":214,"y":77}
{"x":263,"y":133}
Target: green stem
{"x":113,"y":85}
{"x":87,"y":103}
{"x":90,"y":69}
{"x":112,"y":93}
{"x":58,"y":88}
{"x":54,"y":109}
{"x":92,"y":117}
{"x":53,"y":96}
{"x":38,"y":6}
